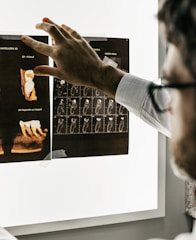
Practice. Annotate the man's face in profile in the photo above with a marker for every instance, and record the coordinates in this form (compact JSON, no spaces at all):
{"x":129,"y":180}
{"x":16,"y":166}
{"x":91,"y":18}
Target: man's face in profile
{"x":183,"y":111}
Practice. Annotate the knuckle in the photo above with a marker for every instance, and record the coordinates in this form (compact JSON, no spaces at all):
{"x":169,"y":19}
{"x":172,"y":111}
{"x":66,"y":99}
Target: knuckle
{"x":58,"y":53}
{"x":38,"y":46}
{"x":73,"y":32}
{"x":52,"y":27}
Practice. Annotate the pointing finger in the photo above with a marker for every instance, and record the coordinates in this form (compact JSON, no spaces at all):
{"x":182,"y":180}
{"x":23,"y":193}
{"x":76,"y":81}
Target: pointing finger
{"x":53,"y":30}
{"x":71,"y":31}
{"x":41,"y":47}
{"x":43,"y":70}
{"x":61,"y":28}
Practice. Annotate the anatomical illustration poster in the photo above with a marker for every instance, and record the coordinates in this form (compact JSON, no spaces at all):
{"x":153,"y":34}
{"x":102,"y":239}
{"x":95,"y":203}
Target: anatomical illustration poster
{"x":24,"y":102}
{"x":85,"y":121}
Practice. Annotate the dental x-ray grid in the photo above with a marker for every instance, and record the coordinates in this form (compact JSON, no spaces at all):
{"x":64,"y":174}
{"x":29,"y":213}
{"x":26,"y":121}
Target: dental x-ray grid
{"x":85,"y":121}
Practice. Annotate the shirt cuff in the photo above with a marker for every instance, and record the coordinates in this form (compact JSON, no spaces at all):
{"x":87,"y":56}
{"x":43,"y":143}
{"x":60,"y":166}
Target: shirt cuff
{"x":131,"y":93}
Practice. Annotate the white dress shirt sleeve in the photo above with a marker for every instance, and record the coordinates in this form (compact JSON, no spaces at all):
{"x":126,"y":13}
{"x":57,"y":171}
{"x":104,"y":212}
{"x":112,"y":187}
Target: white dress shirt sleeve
{"x":132,"y":93}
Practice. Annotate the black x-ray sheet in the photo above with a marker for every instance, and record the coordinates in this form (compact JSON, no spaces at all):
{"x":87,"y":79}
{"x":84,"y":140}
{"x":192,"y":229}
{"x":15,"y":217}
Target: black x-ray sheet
{"x":24,"y":102}
{"x":85,"y":121}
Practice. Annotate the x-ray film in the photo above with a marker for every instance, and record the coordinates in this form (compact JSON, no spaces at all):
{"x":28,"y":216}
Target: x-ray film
{"x":85,"y":121}
{"x":24,"y":102}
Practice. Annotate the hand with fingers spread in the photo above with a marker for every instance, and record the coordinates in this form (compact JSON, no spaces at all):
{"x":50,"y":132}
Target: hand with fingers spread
{"x":76,"y":62}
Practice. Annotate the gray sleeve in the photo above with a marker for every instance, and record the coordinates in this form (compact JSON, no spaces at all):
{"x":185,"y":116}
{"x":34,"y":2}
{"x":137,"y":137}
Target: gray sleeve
{"x":132,"y":93}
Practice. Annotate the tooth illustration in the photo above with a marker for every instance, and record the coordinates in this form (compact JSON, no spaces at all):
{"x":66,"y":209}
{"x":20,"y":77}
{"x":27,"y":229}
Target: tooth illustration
{"x":86,"y":106}
{"x":121,"y":124}
{"x":85,"y":125}
{"x":61,"y":108}
{"x":110,"y":106}
{"x":28,"y":85}
{"x":30,"y":139}
{"x":97,"y":124}
{"x":73,"y":106}
{"x":60,"y":125}
{"x":73,"y":125}
{"x":110,"y":124}
{"x":98,"y":106}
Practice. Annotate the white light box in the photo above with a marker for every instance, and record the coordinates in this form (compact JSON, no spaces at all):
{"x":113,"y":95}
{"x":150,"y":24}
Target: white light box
{"x":67,"y":193}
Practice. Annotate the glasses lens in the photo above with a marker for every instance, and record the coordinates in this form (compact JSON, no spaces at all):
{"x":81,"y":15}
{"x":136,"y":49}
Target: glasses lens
{"x":162,"y":98}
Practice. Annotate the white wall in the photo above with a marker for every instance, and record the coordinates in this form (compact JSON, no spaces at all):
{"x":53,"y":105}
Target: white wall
{"x":125,"y":18}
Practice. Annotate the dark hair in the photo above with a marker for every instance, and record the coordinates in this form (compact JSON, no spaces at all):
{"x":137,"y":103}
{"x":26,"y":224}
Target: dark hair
{"x":179,"y":17}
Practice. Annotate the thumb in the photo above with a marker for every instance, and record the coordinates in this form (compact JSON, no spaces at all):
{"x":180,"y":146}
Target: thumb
{"x":44,"y":70}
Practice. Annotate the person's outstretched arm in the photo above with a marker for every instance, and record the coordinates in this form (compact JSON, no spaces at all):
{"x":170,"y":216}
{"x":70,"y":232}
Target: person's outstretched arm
{"x":76,"y":61}
{"x":78,"y":64}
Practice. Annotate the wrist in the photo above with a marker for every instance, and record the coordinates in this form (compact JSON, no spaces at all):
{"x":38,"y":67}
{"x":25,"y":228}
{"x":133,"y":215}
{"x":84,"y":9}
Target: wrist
{"x":108,"y":79}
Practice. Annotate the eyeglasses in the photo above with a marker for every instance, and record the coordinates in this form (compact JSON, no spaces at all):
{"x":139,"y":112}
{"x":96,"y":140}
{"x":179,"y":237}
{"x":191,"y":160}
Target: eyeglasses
{"x":161,"y":95}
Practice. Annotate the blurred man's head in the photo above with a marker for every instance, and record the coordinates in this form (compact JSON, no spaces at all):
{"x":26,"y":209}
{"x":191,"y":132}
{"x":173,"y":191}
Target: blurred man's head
{"x":179,"y":17}
{"x":178,"y":25}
